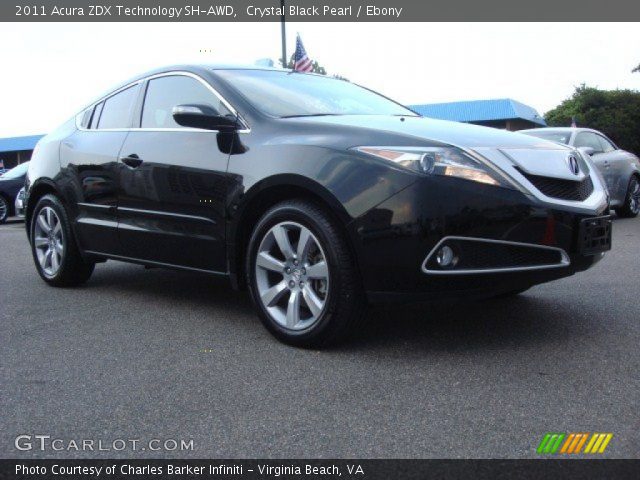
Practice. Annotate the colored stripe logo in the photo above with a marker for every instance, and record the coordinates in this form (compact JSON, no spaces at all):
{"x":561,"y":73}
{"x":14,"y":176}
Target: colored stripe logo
{"x":572,"y":443}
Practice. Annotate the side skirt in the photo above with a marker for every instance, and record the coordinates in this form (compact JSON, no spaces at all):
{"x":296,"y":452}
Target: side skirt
{"x":150,"y":263}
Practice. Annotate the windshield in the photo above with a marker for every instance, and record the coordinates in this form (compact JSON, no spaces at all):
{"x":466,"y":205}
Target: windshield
{"x":16,"y":171}
{"x":554,"y":136}
{"x":291,"y":94}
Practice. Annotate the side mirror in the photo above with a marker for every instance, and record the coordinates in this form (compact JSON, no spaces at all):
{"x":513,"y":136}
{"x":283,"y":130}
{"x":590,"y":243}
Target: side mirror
{"x":587,"y":150}
{"x":202,"y":116}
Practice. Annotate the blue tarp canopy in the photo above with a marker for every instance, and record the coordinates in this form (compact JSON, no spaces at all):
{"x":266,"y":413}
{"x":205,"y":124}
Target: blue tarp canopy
{"x":480,"y":110}
{"x":14,"y":144}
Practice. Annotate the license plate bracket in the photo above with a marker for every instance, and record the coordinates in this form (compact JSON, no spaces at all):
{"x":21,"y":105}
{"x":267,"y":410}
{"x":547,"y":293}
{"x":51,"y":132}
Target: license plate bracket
{"x":594,"y":235}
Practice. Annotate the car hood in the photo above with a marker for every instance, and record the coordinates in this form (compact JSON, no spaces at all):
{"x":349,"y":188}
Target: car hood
{"x":506,"y":149}
{"x":453,"y":133}
{"x":6,"y":181}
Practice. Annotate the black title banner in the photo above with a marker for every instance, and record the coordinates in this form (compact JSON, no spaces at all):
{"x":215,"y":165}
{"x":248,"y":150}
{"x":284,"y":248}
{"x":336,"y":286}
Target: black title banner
{"x":315,"y":469}
{"x":317,"y":11}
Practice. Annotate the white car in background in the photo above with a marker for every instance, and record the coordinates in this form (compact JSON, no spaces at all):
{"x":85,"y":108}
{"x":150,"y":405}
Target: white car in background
{"x":619,"y":168}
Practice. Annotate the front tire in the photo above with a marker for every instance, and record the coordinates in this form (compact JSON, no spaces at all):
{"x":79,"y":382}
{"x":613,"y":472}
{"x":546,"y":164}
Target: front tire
{"x":631,"y":206}
{"x":302,"y":276}
{"x":53,"y":246}
{"x":4,"y":209}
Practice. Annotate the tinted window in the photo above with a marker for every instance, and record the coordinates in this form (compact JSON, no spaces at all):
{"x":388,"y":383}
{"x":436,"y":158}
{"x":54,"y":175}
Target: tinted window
{"x":607,"y":146}
{"x":588,"y":139}
{"x":96,"y":115}
{"x":117,"y":109}
{"x":86,"y":116}
{"x":286,"y":94}
{"x":164,"y":93}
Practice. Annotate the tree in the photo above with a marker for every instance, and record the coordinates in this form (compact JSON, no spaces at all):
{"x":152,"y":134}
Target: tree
{"x":616,"y":113}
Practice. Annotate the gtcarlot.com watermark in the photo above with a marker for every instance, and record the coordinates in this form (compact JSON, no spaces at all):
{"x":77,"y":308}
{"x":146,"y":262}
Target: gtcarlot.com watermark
{"x":44,"y":443}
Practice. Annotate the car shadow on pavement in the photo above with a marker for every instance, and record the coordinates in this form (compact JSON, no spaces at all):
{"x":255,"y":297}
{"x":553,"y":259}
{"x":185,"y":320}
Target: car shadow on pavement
{"x":171,"y":286}
{"x":527,"y":319}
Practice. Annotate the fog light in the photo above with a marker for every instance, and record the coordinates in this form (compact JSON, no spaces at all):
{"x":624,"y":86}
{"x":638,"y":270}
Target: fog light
{"x":446,"y":258}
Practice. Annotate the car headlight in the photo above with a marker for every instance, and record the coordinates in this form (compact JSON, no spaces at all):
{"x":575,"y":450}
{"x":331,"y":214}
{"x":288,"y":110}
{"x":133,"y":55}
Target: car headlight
{"x":445,"y":161}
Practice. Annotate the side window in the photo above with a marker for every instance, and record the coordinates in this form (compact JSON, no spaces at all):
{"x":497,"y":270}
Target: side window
{"x":164,"y":93}
{"x":85,"y":118}
{"x":97,"y":110}
{"x":588,"y":139}
{"x":116,"y":112}
{"x":607,"y":146}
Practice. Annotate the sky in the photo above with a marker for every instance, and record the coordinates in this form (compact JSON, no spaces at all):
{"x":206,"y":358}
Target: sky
{"x":50,"y":71}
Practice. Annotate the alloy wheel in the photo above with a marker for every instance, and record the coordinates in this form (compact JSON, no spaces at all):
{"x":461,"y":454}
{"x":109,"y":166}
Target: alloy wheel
{"x":49,"y":241}
{"x":634,"y":196}
{"x":292,"y":275}
{"x":4,"y":209}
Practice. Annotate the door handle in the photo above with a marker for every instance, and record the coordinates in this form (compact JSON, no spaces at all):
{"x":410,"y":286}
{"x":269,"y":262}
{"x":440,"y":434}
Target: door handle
{"x":133,"y":160}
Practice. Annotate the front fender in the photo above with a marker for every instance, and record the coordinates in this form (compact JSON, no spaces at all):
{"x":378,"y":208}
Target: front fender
{"x":352,"y":183}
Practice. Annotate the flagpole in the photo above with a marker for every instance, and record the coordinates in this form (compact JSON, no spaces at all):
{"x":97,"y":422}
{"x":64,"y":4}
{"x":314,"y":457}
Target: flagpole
{"x":284,"y":36}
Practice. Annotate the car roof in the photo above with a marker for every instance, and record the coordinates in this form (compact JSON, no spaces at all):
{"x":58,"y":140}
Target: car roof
{"x":200,"y":67}
{"x":196,"y":68}
{"x":562,"y":129}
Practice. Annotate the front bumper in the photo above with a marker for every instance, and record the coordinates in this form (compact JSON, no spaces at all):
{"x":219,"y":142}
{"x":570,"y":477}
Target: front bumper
{"x":20,"y":205}
{"x":394,"y":240}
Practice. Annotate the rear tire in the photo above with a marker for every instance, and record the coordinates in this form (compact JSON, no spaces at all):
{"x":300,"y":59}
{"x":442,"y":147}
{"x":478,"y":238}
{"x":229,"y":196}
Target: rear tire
{"x":308,"y":293}
{"x":53,"y":246}
{"x":631,"y":206}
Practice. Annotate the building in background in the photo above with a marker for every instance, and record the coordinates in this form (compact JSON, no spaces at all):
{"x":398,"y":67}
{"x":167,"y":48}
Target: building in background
{"x":503,"y":113}
{"x":16,"y":150}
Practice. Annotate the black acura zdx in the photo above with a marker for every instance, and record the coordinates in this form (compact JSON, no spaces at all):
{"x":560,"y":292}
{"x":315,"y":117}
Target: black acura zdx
{"x":317,"y":195}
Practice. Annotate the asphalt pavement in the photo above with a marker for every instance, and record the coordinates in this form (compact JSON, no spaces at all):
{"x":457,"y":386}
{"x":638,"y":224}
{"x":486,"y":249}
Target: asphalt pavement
{"x":156,"y":354}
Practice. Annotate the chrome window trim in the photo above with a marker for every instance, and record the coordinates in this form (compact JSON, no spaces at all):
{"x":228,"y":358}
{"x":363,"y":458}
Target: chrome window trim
{"x":245,"y":125}
{"x":104,"y":99}
{"x":564,"y":258}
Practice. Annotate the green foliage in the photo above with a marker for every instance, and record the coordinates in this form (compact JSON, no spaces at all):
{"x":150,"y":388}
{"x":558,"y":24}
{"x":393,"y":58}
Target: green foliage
{"x":616,"y":113}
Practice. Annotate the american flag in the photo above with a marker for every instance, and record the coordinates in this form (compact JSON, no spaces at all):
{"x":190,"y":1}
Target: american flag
{"x":301,"y":62}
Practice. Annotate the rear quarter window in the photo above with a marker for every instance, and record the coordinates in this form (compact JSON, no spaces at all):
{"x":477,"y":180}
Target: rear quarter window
{"x":117,"y":109}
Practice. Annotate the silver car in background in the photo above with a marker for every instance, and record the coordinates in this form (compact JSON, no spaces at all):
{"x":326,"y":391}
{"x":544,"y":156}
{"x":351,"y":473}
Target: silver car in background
{"x":619,"y":168}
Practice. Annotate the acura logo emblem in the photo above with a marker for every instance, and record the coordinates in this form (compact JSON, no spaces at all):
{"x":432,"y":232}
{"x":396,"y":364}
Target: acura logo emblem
{"x":574,"y":166}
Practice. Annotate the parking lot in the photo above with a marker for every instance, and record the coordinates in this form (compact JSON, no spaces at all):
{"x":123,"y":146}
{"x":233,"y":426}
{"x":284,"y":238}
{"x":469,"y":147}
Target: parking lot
{"x":172,"y":355}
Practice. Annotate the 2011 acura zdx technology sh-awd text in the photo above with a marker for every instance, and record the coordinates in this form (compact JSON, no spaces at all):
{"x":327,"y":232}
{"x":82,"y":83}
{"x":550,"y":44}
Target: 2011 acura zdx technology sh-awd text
{"x":316,"y":194}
